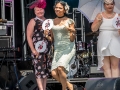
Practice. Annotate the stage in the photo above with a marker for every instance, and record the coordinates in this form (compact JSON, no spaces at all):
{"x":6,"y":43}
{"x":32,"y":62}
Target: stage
{"x":72,"y":80}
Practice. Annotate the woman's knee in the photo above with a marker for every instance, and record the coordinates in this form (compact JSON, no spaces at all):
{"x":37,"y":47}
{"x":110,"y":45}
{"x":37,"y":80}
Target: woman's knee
{"x":53,"y":73}
{"x":106,"y":68}
{"x":106,"y":62}
{"x":115,"y":66}
{"x":114,"y":63}
{"x":60,"y":69}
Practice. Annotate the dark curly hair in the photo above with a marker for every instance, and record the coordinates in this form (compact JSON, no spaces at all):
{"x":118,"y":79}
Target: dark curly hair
{"x":64,"y":4}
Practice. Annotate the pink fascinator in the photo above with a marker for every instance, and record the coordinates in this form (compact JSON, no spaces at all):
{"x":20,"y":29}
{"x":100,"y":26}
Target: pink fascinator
{"x":37,"y":3}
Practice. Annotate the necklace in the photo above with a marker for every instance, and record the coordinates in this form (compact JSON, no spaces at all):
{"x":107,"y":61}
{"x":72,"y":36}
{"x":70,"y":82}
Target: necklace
{"x":110,"y":16}
{"x":61,"y":16}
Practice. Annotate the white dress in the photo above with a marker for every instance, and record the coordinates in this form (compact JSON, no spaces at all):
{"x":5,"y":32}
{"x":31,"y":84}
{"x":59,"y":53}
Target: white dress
{"x":64,"y":49}
{"x":108,"y":41}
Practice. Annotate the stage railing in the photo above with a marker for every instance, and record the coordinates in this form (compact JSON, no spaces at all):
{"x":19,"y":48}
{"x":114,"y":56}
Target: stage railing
{"x":79,"y":19}
{"x":10,"y":23}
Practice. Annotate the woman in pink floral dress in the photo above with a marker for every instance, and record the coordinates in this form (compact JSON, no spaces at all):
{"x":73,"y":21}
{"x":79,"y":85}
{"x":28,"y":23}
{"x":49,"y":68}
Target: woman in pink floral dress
{"x":35,"y":35}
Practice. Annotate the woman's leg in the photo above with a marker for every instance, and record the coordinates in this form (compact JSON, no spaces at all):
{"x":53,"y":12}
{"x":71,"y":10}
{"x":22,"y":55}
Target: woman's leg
{"x":114,"y":66}
{"x":106,"y":67}
{"x":44,"y":83}
{"x":63,"y":77}
{"x":39,"y":82}
{"x":55,"y":75}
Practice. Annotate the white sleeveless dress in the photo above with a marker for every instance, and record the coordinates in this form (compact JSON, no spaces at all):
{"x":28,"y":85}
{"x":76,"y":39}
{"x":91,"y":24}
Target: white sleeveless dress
{"x":64,"y":49}
{"x":108,"y":41}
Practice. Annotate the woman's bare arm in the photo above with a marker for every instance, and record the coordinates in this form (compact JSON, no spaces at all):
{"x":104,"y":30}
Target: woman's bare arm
{"x":30,"y":29}
{"x":72,"y":32}
{"x":46,"y":32}
{"x":97,"y":22}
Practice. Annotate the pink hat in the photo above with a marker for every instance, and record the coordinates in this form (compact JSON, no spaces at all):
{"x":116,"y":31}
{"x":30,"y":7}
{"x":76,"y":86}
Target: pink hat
{"x":37,"y":3}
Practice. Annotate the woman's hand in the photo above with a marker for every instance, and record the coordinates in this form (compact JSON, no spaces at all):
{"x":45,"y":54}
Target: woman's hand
{"x":97,"y":22}
{"x":35,"y":53}
{"x":72,"y":32}
{"x":99,"y":18}
{"x":119,"y":31}
{"x":46,"y":32}
{"x":70,"y":28}
{"x":119,"y":14}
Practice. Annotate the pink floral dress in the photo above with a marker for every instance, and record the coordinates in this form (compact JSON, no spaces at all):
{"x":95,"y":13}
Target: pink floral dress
{"x":42,"y":64}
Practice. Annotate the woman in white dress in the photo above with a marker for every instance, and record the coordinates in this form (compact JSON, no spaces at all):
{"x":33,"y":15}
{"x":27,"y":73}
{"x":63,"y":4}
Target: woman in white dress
{"x":63,"y":36}
{"x":108,"y":46}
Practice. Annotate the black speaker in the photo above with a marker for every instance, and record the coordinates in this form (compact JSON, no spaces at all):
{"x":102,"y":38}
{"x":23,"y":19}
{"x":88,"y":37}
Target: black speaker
{"x":2,"y":83}
{"x":5,"y":42}
{"x":28,"y":82}
{"x":4,"y":72}
{"x":9,"y":84}
{"x":8,"y":76}
{"x":103,"y":84}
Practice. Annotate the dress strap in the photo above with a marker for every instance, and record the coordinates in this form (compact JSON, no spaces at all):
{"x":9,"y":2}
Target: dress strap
{"x":38,"y":19}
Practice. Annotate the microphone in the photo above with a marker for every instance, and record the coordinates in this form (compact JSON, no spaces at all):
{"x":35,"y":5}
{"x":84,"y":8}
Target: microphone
{"x":3,"y":20}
